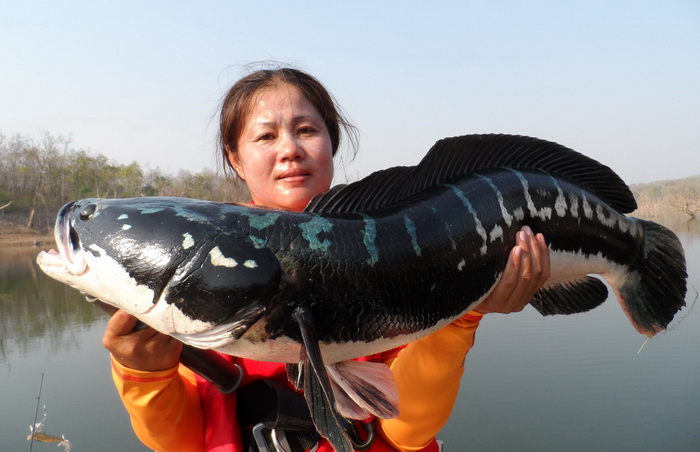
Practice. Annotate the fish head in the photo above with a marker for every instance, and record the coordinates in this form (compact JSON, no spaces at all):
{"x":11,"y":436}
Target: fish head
{"x":173,"y":263}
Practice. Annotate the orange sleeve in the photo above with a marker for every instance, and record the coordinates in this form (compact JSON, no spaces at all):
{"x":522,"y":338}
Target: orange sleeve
{"x":164,"y":407}
{"x":428,"y":373}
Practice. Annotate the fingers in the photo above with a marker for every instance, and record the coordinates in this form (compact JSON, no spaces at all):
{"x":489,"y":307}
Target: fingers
{"x":121,"y":323}
{"x":144,"y":349}
{"x":536,"y":265}
{"x":523,"y":241}
{"x":526,"y":271}
{"x":543,"y":258}
{"x":511,"y":274}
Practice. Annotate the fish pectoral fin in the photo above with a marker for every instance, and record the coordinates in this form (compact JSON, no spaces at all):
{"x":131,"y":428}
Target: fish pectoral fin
{"x":246,"y":319}
{"x":219,"y":336}
{"x":363,"y":389}
{"x":570,"y":297}
{"x":318,"y":391}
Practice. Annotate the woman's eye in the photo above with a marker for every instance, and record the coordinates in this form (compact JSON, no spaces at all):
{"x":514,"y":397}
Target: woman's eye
{"x":306,"y":130}
{"x":265,"y":137}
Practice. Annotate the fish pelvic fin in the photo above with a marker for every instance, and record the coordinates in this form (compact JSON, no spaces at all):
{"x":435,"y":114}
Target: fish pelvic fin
{"x":317,"y":387}
{"x":570,"y":297}
{"x":364,"y":389}
{"x":655,"y":288}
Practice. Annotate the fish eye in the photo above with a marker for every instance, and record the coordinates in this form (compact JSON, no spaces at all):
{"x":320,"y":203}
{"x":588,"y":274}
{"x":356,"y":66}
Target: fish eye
{"x":87,"y":211}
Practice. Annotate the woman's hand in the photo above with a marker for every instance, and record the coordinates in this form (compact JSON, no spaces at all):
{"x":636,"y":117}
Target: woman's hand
{"x":145,"y":349}
{"x":526,"y":271}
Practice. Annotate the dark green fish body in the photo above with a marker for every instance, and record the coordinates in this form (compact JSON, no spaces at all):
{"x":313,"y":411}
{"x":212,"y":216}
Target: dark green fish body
{"x":377,"y":263}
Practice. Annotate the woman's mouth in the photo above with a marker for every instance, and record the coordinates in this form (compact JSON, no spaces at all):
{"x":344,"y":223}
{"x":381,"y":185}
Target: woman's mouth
{"x":293,"y":175}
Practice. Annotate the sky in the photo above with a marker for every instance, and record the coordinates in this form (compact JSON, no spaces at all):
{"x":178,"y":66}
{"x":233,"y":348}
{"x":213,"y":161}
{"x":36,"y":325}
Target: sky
{"x":142,"y":81}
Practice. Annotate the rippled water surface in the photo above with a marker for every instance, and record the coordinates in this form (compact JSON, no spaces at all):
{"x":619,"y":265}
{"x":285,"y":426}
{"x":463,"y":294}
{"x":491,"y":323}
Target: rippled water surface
{"x":575,"y":383}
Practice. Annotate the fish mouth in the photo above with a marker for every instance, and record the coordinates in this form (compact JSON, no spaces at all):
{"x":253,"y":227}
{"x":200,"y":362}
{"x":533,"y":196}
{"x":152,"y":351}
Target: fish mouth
{"x":68,"y":242}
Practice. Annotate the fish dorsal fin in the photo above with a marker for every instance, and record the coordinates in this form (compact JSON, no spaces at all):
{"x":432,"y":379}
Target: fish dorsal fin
{"x":456,"y":157}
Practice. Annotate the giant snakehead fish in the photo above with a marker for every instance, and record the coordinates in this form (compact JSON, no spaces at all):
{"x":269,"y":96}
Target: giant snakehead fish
{"x":372,"y":265}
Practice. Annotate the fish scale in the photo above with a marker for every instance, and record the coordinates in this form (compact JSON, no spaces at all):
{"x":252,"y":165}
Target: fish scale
{"x":373,"y":265}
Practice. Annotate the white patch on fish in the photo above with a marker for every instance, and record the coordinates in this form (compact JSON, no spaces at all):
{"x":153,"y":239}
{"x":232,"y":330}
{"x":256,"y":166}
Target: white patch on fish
{"x":608,"y":221}
{"x":188,"y":242}
{"x":623,"y":225}
{"x":560,"y":202}
{"x":496,"y":233}
{"x":483,"y":250}
{"x":587,"y":211}
{"x":519,"y":214}
{"x":573,"y":201}
{"x":507,"y":217}
{"x":219,"y":260}
{"x":98,"y":250}
{"x":545,"y":213}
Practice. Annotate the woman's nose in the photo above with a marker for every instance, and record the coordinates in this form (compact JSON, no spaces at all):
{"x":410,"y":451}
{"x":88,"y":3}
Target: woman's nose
{"x":291,"y":149}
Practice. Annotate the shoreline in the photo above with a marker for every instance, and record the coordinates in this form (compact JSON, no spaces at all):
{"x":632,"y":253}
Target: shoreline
{"x":14,"y":236}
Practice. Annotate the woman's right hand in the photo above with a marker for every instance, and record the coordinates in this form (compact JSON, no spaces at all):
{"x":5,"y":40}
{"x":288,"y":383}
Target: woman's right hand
{"x":145,"y":349}
{"x":525,"y":273}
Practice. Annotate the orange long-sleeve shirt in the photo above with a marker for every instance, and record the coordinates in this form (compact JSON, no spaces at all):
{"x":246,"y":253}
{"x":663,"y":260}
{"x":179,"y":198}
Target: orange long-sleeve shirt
{"x":428,"y":373}
{"x":166,"y":414}
{"x":164,"y":407}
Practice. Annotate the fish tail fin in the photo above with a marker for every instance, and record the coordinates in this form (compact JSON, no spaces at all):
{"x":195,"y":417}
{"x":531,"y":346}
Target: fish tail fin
{"x":651,"y":292}
{"x":654,"y":290}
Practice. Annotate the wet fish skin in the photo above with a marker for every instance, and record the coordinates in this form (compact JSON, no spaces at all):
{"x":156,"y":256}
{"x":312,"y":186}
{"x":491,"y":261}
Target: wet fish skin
{"x":443,"y":247}
{"x":376,"y":264}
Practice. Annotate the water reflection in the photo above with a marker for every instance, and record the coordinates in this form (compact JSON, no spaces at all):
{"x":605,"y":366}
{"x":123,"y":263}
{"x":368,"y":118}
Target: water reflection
{"x":36,"y":308}
{"x":572,"y":383}
{"x":49,"y":328}
{"x":680,"y":224}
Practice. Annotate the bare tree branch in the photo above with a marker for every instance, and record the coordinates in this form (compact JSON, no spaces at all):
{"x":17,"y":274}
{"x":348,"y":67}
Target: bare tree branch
{"x":687,"y":201}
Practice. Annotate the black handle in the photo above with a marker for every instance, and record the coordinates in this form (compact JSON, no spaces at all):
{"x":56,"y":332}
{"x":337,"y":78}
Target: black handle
{"x":208,"y":364}
{"x":214,"y":368}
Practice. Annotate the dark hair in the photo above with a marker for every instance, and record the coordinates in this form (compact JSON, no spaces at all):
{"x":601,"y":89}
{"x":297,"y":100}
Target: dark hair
{"x":236,"y":103}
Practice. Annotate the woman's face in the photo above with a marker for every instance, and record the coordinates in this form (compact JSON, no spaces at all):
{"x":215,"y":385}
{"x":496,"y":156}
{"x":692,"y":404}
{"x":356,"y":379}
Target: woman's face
{"x":284,"y":151}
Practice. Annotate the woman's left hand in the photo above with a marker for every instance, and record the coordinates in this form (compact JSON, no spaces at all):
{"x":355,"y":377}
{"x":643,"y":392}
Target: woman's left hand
{"x":525,"y":273}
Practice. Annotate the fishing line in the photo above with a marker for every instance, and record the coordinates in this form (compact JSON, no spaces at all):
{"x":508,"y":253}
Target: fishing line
{"x":643,"y":344}
{"x":36,"y":412}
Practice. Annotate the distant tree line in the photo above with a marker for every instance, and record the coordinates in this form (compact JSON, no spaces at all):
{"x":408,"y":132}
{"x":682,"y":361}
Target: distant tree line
{"x":678,"y":195}
{"x":38,"y":176}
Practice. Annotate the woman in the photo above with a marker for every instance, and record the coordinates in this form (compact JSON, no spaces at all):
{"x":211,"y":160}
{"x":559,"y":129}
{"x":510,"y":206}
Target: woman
{"x":279,"y":132}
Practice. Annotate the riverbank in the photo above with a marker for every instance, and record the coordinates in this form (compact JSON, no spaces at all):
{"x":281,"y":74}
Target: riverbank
{"x":14,"y":235}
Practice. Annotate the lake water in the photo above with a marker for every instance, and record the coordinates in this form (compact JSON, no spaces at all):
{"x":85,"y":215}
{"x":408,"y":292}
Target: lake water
{"x":574,"y":383}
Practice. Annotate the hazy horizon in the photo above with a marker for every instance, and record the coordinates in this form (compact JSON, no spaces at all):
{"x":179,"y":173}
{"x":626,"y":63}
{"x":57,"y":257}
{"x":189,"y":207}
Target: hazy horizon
{"x":142,"y":82}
